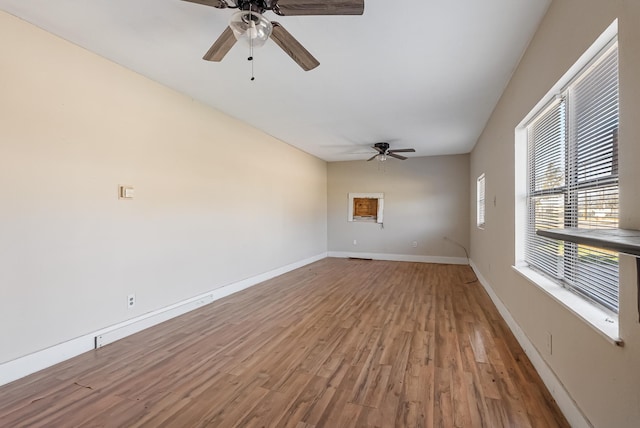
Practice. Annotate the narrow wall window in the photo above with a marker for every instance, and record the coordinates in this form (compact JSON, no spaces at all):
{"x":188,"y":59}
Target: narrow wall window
{"x":572,"y":180}
{"x":480,"y":205}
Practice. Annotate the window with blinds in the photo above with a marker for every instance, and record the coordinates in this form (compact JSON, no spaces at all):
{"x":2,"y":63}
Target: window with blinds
{"x":572,"y":157}
{"x":480,"y":205}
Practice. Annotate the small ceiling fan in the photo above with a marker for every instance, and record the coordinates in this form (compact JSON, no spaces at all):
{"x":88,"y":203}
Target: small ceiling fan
{"x":249,"y":24}
{"x":383,"y":152}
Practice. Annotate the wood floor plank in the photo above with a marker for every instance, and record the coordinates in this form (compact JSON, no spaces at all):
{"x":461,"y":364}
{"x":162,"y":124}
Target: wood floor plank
{"x":338,"y":343}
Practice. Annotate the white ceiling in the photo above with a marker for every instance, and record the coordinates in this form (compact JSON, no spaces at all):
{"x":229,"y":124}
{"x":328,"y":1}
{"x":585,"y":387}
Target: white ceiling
{"x":417,"y":73}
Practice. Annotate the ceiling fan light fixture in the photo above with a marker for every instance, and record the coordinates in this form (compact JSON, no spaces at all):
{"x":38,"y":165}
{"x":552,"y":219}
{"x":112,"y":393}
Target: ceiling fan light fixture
{"x":251,"y":27}
{"x":382,"y":157}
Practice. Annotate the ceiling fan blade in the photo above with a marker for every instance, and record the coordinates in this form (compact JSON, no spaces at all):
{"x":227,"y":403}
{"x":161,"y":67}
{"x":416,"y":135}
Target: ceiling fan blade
{"x":372,"y":158}
{"x":319,"y":7}
{"x":379,"y":149}
{"x":402,"y":150}
{"x":220,"y":4}
{"x":293,"y":48}
{"x":396,"y":156}
{"x":221,"y":46}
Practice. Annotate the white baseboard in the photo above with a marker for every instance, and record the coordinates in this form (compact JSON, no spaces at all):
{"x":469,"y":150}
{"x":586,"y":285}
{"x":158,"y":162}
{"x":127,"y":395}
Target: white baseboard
{"x":23,"y":366}
{"x":401,"y":257}
{"x":568,"y":407}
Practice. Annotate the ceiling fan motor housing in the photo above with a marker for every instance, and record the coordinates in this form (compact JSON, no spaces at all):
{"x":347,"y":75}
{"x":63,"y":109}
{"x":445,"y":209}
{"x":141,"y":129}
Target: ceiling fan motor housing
{"x":258,"y":6}
{"x":383,"y":147}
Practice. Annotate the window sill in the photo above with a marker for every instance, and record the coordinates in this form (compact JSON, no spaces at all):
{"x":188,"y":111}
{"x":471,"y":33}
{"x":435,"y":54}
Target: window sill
{"x":600,"y":320}
{"x":363,"y":219}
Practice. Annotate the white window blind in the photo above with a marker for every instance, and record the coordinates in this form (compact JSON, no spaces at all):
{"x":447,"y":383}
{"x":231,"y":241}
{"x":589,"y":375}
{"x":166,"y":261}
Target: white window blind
{"x":573,"y":180}
{"x":480,"y":206}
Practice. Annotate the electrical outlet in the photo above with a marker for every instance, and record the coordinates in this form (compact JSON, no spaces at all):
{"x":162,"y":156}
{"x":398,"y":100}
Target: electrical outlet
{"x":549,"y":343}
{"x":414,"y":244}
{"x":125,"y":192}
{"x":355,"y":242}
{"x":131,"y":301}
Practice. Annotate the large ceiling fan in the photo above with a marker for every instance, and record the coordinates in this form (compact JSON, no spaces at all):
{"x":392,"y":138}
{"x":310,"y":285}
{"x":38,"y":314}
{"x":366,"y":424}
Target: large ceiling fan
{"x":249,"y":24}
{"x":383,"y":152}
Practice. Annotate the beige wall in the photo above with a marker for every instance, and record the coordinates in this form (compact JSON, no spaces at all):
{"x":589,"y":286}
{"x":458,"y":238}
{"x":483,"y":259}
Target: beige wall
{"x":425,"y":200}
{"x":604,"y":380}
{"x":215,"y":200}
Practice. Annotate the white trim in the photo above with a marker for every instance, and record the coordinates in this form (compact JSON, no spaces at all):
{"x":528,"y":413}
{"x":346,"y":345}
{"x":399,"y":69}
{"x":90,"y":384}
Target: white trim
{"x":401,"y":257}
{"x":566,"y":404}
{"x":23,"y":366}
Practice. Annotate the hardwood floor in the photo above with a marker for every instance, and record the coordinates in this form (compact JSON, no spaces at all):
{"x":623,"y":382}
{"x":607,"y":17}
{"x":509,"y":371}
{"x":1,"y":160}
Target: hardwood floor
{"x":339,"y":343}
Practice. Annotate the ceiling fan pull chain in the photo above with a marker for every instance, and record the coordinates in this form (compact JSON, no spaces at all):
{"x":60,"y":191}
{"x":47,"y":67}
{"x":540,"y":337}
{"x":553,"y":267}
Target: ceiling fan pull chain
{"x":252,"y":62}
{"x":251,"y":58}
